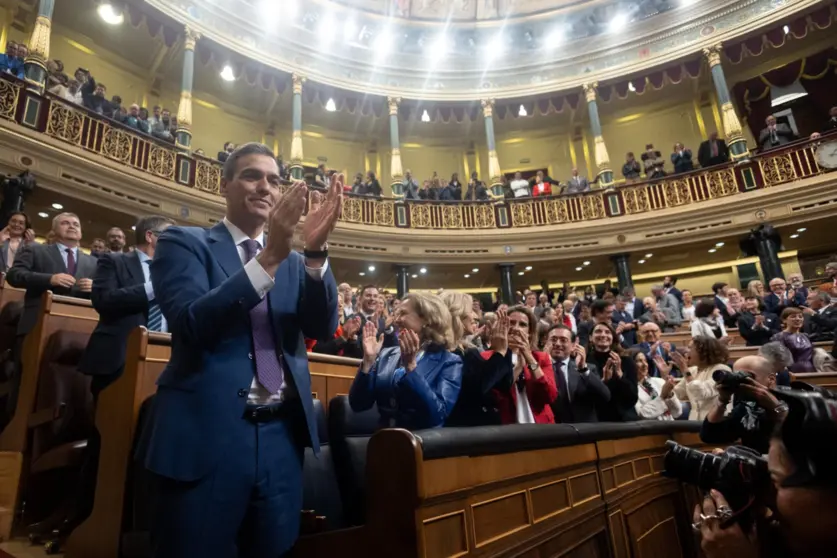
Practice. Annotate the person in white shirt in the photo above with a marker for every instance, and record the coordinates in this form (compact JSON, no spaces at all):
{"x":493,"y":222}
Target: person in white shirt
{"x":688,"y":308}
{"x":520,"y":187}
{"x":656,"y":399}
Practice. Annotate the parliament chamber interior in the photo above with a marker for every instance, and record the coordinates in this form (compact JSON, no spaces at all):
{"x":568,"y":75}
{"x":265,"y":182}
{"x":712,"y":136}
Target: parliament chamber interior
{"x":560,"y":277}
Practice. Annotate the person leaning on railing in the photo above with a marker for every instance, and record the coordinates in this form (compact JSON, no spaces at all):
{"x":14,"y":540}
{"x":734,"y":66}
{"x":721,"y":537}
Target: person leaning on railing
{"x":631,"y":168}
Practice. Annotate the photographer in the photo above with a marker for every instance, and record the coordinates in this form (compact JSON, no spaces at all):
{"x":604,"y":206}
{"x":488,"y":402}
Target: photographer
{"x":753,"y":414}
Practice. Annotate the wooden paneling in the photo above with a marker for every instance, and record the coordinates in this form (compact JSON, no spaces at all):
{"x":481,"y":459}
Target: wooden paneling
{"x":549,"y":499}
{"x":584,"y":487}
{"x":500,"y":517}
{"x":446,"y":536}
{"x":618,"y":537}
{"x":331,"y":376}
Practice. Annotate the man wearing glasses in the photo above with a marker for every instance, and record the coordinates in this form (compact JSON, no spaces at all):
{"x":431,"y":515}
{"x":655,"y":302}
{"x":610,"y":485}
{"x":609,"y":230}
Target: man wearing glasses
{"x":124,"y":298}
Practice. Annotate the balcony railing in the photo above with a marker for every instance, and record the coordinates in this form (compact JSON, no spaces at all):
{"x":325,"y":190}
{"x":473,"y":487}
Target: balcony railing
{"x":92,"y":132}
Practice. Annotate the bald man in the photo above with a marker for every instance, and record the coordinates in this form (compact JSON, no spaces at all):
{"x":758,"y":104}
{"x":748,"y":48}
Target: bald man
{"x":754,"y":411}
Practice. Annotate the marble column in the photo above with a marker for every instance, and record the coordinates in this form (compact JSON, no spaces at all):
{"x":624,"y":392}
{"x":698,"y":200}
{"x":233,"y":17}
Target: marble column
{"x":604,"y":171}
{"x":766,"y":242}
{"x":296,"y":138}
{"x":495,"y":175}
{"x":622,"y":263}
{"x":402,"y":280}
{"x":395,"y":144}
{"x":35,"y":70}
{"x":506,"y":283}
{"x":732,"y":125}
{"x":184,"y":109}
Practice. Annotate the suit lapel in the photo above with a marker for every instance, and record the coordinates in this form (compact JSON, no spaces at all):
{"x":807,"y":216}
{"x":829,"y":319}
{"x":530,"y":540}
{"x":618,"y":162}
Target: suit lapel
{"x":54,"y":253}
{"x":222,"y":247}
{"x":86,"y":265}
{"x":135,"y":269}
{"x":572,"y":378}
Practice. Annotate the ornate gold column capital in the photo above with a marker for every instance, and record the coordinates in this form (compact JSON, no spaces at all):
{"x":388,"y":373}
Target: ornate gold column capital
{"x":393,"y":103}
{"x":39,"y":39}
{"x":713,"y":55}
{"x":190,"y":37}
{"x":590,"y":91}
{"x":487,"y":107}
{"x":298,"y":80}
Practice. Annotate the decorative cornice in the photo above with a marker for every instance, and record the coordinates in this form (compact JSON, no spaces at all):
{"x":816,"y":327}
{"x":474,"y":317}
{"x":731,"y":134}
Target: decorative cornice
{"x":298,"y":81}
{"x":487,"y":107}
{"x":590,"y":91}
{"x":393,"y":103}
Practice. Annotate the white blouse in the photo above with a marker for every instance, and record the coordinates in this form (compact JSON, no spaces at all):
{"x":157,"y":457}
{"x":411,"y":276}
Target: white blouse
{"x":657,"y":408}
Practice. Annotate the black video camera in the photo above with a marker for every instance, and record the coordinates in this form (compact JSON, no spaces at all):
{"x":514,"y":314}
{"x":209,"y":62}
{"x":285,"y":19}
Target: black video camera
{"x":740,"y":474}
{"x":15,"y":190}
{"x":731,"y":380}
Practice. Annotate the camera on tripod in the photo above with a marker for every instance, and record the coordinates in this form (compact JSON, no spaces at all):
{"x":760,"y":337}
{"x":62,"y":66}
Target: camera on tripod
{"x":15,"y":191}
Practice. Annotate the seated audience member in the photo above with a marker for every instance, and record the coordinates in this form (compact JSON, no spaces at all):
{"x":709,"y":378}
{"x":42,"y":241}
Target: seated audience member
{"x":708,"y":322}
{"x":520,"y":186}
{"x":372,"y":187}
{"x":755,"y":325}
{"x":656,"y":399}
{"x":796,"y":341}
{"x":528,"y":397}
{"x":60,"y":267}
{"x":14,"y":238}
{"x":752,"y":417}
{"x":576,"y":184}
{"x":618,"y":373}
{"x":681,"y":158}
{"x":416,"y":384}
{"x":775,"y":135}
{"x":713,"y":151}
{"x":687,"y":310}
{"x":781,"y":297}
{"x":653,"y":347}
{"x":631,"y":169}
{"x":706,"y":355}
{"x":542,"y":185}
{"x":820,"y":317}
{"x":370,"y":308}
{"x":728,"y":313}
{"x":780,"y":359}
{"x":624,"y":322}
{"x":411,"y":186}
{"x":796,"y":282}
{"x":666,"y":318}
{"x":124,"y":298}
{"x":756,"y":288}
{"x":476,"y":189}
{"x":345,"y":341}
{"x":580,"y":392}
{"x":229,"y":146}
{"x":653,"y":163}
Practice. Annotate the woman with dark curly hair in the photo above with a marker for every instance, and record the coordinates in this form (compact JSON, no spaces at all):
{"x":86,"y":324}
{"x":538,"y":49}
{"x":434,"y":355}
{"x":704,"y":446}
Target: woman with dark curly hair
{"x":618,"y":372}
{"x":706,"y":354}
{"x":708,"y":322}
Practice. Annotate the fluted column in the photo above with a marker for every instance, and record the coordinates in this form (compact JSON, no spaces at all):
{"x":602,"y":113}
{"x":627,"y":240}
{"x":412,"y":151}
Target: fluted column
{"x":296,"y":139}
{"x":506,"y":283}
{"x":35,"y":69}
{"x":402,"y":280}
{"x":622,"y":263}
{"x":604,"y":172}
{"x":495,"y":175}
{"x":395,"y":143}
{"x":184,"y":109}
{"x":732,"y":125}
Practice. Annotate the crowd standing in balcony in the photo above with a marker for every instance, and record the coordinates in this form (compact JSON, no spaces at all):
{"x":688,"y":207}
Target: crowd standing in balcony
{"x":11,"y":62}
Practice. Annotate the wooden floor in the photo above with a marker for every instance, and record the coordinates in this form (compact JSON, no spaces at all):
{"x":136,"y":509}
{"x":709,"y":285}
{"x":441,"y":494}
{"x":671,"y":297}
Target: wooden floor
{"x":22,"y":549}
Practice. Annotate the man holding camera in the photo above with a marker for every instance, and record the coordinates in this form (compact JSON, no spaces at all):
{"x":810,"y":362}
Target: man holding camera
{"x":755,"y":409}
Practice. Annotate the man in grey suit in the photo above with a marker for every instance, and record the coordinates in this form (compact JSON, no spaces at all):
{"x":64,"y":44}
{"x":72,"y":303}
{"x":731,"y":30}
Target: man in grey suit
{"x":579,"y":391}
{"x":775,"y":134}
{"x":662,"y":310}
{"x":60,"y":267}
{"x":577,"y":184}
{"x":411,"y":187}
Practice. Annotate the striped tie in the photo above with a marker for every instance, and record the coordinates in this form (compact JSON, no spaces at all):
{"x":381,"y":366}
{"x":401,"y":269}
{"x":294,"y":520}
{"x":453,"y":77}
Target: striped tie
{"x":155,"y":317}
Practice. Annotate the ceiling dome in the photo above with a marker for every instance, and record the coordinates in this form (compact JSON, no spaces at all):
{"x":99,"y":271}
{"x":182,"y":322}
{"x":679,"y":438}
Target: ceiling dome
{"x":460,"y":10}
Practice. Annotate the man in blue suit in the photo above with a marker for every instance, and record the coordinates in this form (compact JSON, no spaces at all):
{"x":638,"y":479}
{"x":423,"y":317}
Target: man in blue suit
{"x":233,"y":409}
{"x":781,"y":297}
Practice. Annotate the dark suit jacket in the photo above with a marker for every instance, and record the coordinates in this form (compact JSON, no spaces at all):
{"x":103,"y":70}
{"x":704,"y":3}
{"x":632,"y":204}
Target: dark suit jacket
{"x":585,"y":392}
{"x":645,"y":348}
{"x":206,"y":297}
{"x":756,"y":337}
{"x":821,"y":327}
{"x":729,"y":319}
{"x":639,"y":308}
{"x":628,"y":337}
{"x":783,"y":135}
{"x":119,"y":298}
{"x":34,"y":267}
{"x":775,"y":305}
{"x":705,"y":157}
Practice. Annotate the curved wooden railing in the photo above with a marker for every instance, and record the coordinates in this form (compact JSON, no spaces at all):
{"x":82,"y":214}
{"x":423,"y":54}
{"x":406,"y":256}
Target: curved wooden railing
{"x":92,"y":132}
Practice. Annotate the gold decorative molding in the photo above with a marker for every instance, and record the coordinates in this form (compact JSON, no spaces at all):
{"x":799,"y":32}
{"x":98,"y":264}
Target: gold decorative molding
{"x":395,"y":165}
{"x":590,"y":91}
{"x":393,"y":103}
{"x":487,"y":108}
{"x":600,"y":152}
{"x":184,"y":110}
{"x":296,"y":146}
{"x":494,"y":172}
{"x":713,"y":55}
{"x":298,"y":80}
{"x":190,"y":37}
{"x":732,"y":126}
{"x":39,"y":40}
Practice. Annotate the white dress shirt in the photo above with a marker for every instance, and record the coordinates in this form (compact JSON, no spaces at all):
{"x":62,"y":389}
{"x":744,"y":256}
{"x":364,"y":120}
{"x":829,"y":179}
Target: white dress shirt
{"x":262,"y":282}
{"x":145,"y":263}
{"x":521,"y":402}
{"x":63,"y":250}
{"x":520,"y":188}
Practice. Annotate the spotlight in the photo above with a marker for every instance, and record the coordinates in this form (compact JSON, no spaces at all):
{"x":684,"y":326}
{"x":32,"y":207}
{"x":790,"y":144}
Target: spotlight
{"x":425,"y":117}
{"x":631,"y":87}
{"x":528,"y":268}
{"x":648,"y":255}
{"x":803,"y":229}
{"x":713,"y":250}
{"x":786,"y":29}
{"x":133,"y":227}
{"x":57,"y":206}
{"x":438,"y":49}
{"x":587,"y":262}
{"x":371,"y":268}
{"x":795,"y":235}
{"x":43,"y":214}
{"x":520,"y":273}
{"x":331,"y":106}
{"x":350,"y":31}
{"x":641,"y":261}
{"x":579,"y":268}
{"x":383,"y":43}
{"x":495,"y":47}
{"x":325,"y":29}
{"x":522,"y":111}
{"x":111,"y":15}
{"x":618,"y":23}
{"x":227,"y":73}
{"x":555,"y":38}
{"x":361,"y":273}
{"x":467,"y":276}
{"x":719,"y":244}
{"x":475,"y":270}
{"x":415,"y":276}
{"x":423,"y":270}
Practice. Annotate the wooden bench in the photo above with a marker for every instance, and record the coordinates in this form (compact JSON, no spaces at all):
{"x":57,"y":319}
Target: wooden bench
{"x":684,"y":337}
{"x":57,"y":312}
{"x":827,"y":380}
{"x":331,"y":375}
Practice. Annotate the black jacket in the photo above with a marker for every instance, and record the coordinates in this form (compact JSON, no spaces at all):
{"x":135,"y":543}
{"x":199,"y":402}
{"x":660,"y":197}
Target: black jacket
{"x":476,"y":405}
{"x":623,"y":391}
{"x":758,"y":336}
{"x":746,"y":421}
{"x":705,"y":157}
{"x":821,"y":327}
{"x":585,"y":393}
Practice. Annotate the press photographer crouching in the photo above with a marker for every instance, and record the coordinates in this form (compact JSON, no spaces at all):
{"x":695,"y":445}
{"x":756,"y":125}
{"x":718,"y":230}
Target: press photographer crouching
{"x":783,"y":506}
{"x":754,"y":412}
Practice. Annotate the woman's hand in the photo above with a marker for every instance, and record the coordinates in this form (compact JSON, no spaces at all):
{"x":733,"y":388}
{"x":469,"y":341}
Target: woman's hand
{"x":29,"y":235}
{"x":616,"y":364}
{"x":372,"y":343}
{"x":607,"y":372}
{"x":499,"y":337}
{"x":663,"y":367}
{"x":350,"y":329}
{"x":718,"y":542}
{"x":409,"y":342}
{"x":668,"y":388}
{"x":5,"y":235}
{"x":680,"y":362}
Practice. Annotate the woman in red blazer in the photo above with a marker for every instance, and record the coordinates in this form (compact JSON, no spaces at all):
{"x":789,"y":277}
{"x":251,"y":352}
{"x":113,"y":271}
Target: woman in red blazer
{"x":526,"y":395}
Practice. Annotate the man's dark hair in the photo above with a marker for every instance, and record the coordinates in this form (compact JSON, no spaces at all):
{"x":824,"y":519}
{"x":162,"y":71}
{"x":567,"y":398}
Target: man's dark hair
{"x":252,"y":148}
{"x":673,"y":279}
{"x":364,"y":288}
{"x":116,"y":99}
{"x":562,"y":326}
{"x":704,"y":309}
{"x":599,"y":306}
{"x":718,"y":286}
{"x":150,"y":223}
{"x":758,"y":301}
{"x":156,"y":107}
{"x":102,"y":85}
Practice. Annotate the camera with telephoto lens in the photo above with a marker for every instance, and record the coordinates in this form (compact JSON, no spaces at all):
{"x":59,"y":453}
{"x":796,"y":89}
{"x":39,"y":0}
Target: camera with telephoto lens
{"x":740,"y":474}
{"x":731,"y":380}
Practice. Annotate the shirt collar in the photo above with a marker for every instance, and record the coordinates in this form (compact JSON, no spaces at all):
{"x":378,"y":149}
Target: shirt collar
{"x":238,"y":235}
{"x":63,"y":248}
{"x":143,"y":257}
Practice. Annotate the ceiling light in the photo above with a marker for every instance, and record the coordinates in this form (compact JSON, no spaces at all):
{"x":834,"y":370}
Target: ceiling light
{"x":57,"y":206}
{"x":290,"y":10}
{"x":579,"y":268}
{"x":227,"y":73}
{"x":350,"y":30}
{"x":495,"y":47}
{"x":371,"y":268}
{"x":719,"y":244}
{"x":438,"y":49}
{"x":803,"y":229}
{"x":631,"y":87}
{"x":587,"y":262}
{"x":528,"y":268}
{"x":466,"y":276}
{"x":43,"y":214}
{"x":522,"y":111}
{"x":425,"y":117}
{"x":555,"y":38}
{"x":642,"y":261}
{"x":361,"y":273}
{"x":795,"y":235}
{"x":648,"y":255}
{"x":383,"y":43}
{"x":520,"y":272}
{"x":475,"y":270}
{"x":110,"y":15}
{"x":618,"y":23}
{"x":786,"y":29}
{"x":415,"y":276}
{"x":325,"y":33}
{"x":423,"y":270}
{"x":331,"y":106}
{"x":133,"y":227}
{"x":713,"y":250}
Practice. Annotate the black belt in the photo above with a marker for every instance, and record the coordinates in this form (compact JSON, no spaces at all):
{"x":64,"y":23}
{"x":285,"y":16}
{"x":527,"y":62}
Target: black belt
{"x":266,"y":413}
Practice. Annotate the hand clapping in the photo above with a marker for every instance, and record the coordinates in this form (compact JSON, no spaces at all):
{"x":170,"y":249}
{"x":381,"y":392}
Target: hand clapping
{"x":323,"y":214}
{"x":282,"y":222}
{"x":409,"y":342}
{"x":372,"y":343}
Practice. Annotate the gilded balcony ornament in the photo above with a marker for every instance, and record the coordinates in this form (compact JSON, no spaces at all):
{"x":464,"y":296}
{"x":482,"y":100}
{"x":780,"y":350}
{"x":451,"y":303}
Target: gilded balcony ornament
{"x":494,"y":172}
{"x":521,"y":213}
{"x":298,"y":81}
{"x":190,"y":38}
{"x":451,"y":216}
{"x":384,"y":213}
{"x":676,"y":192}
{"x":296,"y":147}
{"x":393,"y":103}
{"x":208,"y":177}
{"x":39,"y":41}
{"x":487,"y":108}
{"x":777,"y":170}
{"x":352,"y":210}
{"x":161,"y":161}
{"x":116,"y":144}
{"x":732,"y":129}
{"x":722,"y":183}
{"x":420,"y":216}
{"x":483,"y":216}
{"x":396,"y":170}
{"x":9,"y":92}
{"x":713,"y":55}
{"x":64,"y":123}
{"x":636,"y":200}
{"x":590,"y":91}
{"x":592,"y":207}
{"x":184,"y":111}
{"x":602,"y":157}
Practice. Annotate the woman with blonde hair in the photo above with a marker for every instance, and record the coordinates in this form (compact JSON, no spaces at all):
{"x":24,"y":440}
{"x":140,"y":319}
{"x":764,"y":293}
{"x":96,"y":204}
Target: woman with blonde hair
{"x":416,"y":384}
{"x":756,"y":288}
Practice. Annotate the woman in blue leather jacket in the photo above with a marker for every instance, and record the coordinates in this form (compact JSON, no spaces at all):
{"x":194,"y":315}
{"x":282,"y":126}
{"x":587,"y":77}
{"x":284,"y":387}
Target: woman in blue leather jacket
{"x":416,"y":384}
